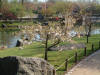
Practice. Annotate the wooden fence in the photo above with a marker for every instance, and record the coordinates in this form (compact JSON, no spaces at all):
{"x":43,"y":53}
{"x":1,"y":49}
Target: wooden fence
{"x":75,"y":58}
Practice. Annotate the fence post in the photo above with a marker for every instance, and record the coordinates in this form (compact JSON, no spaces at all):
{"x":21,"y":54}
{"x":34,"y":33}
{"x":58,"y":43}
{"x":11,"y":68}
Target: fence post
{"x":66,"y":65}
{"x":85,"y":49}
{"x":76,"y":57}
{"x":92,"y":47}
{"x":54,"y":72}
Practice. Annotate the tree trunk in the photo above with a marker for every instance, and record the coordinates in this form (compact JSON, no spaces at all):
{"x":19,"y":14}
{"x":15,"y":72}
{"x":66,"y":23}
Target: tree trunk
{"x":22,"y":2}
{"x":89,"y":32}
{"x":0,"y":4}
{"x":87,"y":39}
{"x":84,"y":20}
{"x":46,"y":48}
{"x":66,"y":24}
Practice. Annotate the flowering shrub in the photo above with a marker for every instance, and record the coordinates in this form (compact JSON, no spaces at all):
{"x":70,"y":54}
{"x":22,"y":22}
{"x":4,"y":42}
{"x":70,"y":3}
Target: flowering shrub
{"x":9,"y":16}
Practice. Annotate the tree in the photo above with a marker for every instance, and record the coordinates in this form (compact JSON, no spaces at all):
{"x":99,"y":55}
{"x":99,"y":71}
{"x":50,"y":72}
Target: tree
{"x":22,"y":2}
{"x":0,"y":3}
{"x":55,"y":32}
{"x":96,"y":10}
{"x":12,"y":9}
{"x":17,"y":9}
{"x":35,"y":1}
{"x":51,"y":35}
{"x":48,"y":12}
{"x":86,"y":13}
{"x":53,"y":1}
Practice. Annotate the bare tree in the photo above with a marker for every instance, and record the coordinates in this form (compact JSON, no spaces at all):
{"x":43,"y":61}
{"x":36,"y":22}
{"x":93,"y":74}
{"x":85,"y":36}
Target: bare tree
{"x":54,"y":33}
{"x":22,"y":2}
{"x":0,"y":3}
{"x":57,"y":32}
{"x":86,"y":11}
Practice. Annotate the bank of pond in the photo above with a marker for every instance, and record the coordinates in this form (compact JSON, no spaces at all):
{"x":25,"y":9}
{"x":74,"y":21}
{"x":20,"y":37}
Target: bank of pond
{"x":10,"y":37}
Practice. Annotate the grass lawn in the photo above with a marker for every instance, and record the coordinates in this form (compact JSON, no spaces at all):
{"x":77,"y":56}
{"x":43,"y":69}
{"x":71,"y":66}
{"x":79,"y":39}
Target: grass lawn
{"x":56,"y":58}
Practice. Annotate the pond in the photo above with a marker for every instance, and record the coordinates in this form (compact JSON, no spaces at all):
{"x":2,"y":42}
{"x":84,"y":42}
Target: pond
{"x":94,"y":30}
{"x":9,"y":38}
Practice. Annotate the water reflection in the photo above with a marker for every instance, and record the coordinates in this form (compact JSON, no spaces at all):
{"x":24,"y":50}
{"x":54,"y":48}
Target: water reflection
{"x":74,"y":33}
{"x":8,"y":39}
{"x":96,"y":31}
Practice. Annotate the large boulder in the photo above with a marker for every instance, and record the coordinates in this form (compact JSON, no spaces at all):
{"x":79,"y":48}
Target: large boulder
{"x":15,"y":65}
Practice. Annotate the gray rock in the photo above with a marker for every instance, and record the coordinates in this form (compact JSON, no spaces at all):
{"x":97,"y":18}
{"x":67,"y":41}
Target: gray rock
{"x":15,"y":65}
{"x":19,"y":43}
{"x":3,"y":25}
{"x":68,"y":47}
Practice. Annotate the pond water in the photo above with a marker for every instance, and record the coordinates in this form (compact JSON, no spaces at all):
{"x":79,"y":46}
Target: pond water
{"x":96,"y":31}
{"x":93,"y":32}
{"x":9,"y":38}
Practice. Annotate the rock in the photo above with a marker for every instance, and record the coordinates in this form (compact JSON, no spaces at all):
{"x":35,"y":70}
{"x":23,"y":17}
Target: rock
{"x":4,"y":26}
{"x":25,"y":42}
{"x":27,"y":38}
{"x":19,"y":43}
{"x":21,"y":48}
{"x":15,"y":65}
{"x":68,"y":47}
{"x":45,"y":24}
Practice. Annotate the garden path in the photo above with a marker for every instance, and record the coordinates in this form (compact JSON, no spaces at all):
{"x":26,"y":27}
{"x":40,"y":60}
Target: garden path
{"x":88,"y":66}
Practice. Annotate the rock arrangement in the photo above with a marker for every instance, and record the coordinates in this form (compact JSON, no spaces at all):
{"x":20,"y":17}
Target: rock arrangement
{"x":15,"y":65}
{"x":21,"y":43}
{"x":68,"y":47}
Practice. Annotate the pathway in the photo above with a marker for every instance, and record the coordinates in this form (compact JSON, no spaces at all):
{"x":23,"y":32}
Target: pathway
{"x":89,"y":66}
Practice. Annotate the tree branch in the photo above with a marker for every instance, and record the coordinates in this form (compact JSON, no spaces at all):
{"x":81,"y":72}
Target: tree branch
{"x":54,"y":44}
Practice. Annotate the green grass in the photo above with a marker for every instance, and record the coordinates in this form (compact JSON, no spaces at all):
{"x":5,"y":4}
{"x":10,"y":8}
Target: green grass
{"x":29,"y":51}
{"x":56,"y":58}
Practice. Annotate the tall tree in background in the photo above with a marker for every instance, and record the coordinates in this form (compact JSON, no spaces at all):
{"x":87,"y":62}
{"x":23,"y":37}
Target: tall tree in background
{"x":35,"y":1}
{"x":22,"y":2}
{"x":0,"y":3}
{"x":53,"y":1}
{"x":86,"y":13}
{"x":60,"y":32}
